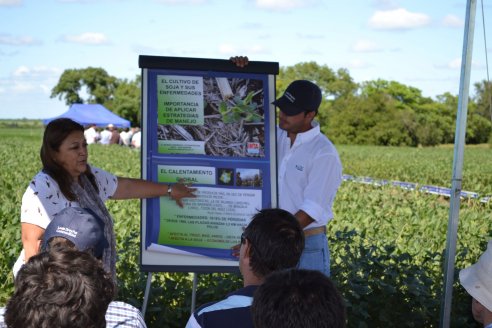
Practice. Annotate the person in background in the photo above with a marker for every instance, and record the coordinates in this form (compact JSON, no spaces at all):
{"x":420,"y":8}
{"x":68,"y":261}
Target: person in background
{"x":298,"y":298}
{"x":115,"y":135}
{"x":126,"y":137}
{"x":68,"y":180}
{"x":137,"y":138}
{"x":309,"y":168}
{"x":90,"y":134}
{"x":65,"y":288}
{"x":477,"y":280}
{"x":272,"y":241}
{"x":106,"y":134}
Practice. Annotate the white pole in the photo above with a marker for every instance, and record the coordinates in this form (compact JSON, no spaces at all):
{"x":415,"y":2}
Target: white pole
{"x":147,"y":293}
{"x":459,"y":146}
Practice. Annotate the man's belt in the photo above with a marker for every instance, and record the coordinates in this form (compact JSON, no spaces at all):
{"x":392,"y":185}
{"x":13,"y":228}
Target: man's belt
{"x":314,"y":231}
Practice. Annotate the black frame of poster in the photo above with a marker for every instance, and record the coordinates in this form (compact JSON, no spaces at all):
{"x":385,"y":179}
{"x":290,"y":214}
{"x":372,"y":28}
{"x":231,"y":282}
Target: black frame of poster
{"x":211,"y":124}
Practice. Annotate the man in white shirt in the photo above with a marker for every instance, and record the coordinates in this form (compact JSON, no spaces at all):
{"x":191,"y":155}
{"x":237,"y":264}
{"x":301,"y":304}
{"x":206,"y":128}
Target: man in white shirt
{"x":137,"y":139}
{"x":106,"y":135}
{"x":90,"y":134}
{"x":309,"y":170}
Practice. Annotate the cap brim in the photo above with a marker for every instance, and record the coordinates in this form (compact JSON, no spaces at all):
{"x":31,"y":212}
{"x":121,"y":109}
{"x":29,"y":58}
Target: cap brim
{"x":469,"y":280}
{"x":286,"y":107}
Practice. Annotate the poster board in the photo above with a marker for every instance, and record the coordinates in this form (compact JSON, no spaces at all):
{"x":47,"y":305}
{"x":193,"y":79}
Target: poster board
{"x":210,"y":124}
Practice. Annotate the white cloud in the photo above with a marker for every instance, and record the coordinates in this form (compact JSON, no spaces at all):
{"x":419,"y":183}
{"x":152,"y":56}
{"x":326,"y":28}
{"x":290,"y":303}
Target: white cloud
{"x":17,"y":40}
{"x":10,"y":2}
{"x":22,"y":87}
{"x":365,"y":46}
{"x":26,"y":79}
{"x":36,"y":71}
{"x":452,"y":21}
{"x":87,"y":38}
{"x":398,"y":19}
{"x":281,"y":4}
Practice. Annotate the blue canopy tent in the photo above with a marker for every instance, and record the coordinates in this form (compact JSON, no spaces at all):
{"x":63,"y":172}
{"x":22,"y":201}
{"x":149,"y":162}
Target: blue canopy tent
{"x":86,"y":114}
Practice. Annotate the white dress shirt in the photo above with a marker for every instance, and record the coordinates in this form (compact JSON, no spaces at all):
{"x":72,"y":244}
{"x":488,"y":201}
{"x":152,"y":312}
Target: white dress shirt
{"x":309,"y":174}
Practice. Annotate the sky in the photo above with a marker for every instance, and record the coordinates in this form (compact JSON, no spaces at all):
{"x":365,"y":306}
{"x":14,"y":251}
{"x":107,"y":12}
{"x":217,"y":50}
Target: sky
{"x":415,"y":42}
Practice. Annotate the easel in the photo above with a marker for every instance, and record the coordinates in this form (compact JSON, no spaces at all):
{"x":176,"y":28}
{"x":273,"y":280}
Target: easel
{"x":147,"y":293}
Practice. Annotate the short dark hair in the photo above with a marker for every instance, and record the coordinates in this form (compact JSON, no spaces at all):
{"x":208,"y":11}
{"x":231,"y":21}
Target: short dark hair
{"x":55,"y":133}
{"x":298,"y":298}
{"x":276,"y":239}
{"x":63,"y":288}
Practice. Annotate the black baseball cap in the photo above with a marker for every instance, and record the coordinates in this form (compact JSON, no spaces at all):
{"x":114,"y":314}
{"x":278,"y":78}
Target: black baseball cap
{"x":79,"y":225}
{"x":300,"y":96}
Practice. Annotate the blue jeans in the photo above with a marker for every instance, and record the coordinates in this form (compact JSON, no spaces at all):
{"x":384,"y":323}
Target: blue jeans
{"x":316,"y":254}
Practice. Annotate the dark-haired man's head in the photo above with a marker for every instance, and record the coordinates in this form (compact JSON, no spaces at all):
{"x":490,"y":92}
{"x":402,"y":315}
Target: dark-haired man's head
{"x":297,"y":298}
{"x":272,"y":241}
{"x":63,"y":288}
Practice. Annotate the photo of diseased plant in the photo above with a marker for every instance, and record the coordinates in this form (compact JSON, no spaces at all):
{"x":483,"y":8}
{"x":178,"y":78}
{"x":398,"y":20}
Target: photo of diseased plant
{"x":233,"y":119}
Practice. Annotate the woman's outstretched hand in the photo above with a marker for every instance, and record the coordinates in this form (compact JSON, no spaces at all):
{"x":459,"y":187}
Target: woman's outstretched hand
{"x":181,"y":190}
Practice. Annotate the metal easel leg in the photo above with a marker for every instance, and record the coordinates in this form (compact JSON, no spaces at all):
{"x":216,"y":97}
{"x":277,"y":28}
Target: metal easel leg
{"x":147,"y":292}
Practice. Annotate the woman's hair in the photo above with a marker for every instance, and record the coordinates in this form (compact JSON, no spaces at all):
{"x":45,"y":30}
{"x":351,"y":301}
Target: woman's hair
{"x":62,"y":288}
{"x":54,"y":135}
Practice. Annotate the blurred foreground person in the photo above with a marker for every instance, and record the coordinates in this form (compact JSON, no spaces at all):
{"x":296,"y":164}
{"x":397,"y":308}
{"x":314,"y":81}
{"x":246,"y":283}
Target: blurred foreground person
{"x":272,"y":241}
{"x":298,"y":298}
{"x":66,"y":288}
{"x":82,"y":230}
{"x":477,"y":280}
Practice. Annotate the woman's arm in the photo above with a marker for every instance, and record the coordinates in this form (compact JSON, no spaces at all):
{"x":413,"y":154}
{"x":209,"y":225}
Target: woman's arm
{"x":31,"y":239}
{"x":137,"y":188}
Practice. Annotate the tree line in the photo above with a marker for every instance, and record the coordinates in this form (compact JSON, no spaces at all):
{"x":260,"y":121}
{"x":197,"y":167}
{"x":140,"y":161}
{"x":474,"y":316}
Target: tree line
{"x":377,"y":112}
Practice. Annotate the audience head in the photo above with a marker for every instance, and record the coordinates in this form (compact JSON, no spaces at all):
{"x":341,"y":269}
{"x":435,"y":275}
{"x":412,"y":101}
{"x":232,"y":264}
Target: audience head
{"x":77,"y":228}
{"x":477,"y":280}
{"x":297,"y":298}
{"x":63,"y":288}
{"x":272,"y":241}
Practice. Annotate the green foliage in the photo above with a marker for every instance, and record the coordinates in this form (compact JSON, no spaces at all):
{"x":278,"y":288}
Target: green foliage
{"x":386,"y":243}
{"x":483,"y":99}
{"x":382,"y":287}
{"x":126,"y":101}
{"x":97,"y":82}
{"x":377,"y":112}
{"x":239,"y":109}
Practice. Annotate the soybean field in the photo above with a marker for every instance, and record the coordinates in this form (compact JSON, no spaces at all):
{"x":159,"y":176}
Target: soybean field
{"x":387,"y":243}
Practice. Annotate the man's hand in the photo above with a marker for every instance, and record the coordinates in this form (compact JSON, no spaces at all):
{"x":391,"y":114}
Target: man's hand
{"x":240,"y":61}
